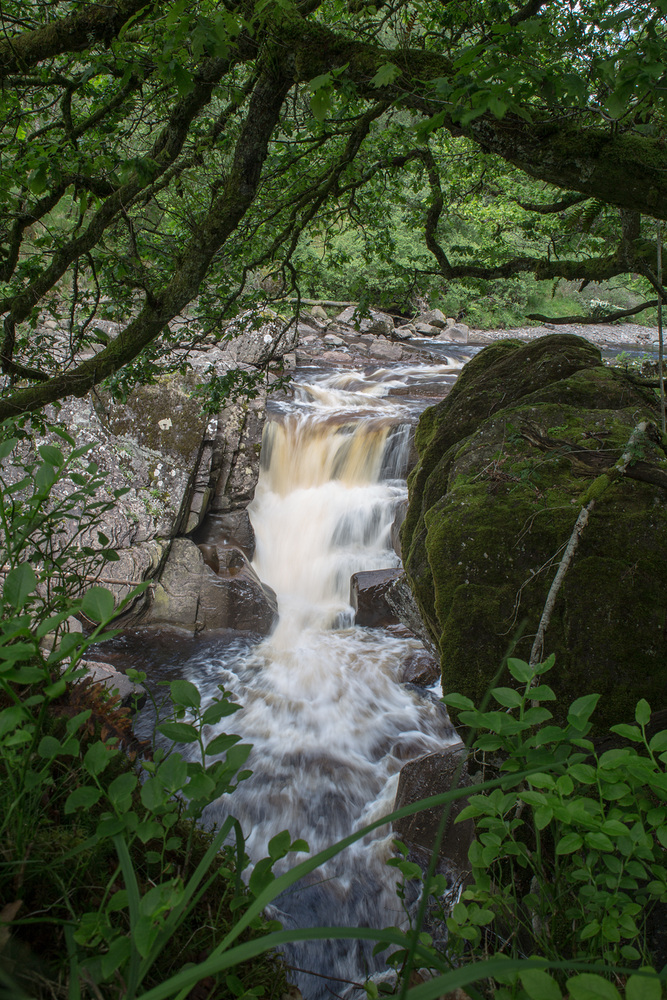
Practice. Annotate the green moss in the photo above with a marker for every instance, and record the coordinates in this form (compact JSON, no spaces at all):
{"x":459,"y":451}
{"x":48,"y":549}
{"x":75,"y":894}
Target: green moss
{"x":493,"y":502}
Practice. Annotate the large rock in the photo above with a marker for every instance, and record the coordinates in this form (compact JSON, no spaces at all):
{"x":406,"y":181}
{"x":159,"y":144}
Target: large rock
{"x":434,"y":774}
{"x":256,"y":338}
{"x":375,"y":322}
{"x":204,"y":591}
{"x":506,"y":462}
{"x":368,"y":597}
{"x":401,"y":600}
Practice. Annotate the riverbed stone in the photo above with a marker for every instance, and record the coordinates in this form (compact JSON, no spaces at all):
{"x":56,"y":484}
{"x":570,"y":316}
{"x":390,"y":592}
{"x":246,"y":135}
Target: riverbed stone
{"x":376,"y":322}
{"x":193,"y":595}
{"x":433,"y":317}
{"x":420,"y":668}
{"x":457,"y":332}
{"x":426,"y":329}
{"x":130,"y":694}
{"x":434,"y":774}
{"x":367,"y":597}
{"x":506,"y":462}
{"x":401,"y":600}
{"x":258,"y":337}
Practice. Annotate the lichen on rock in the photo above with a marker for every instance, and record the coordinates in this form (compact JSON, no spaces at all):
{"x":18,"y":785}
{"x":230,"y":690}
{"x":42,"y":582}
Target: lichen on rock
{"x":505,"y":462}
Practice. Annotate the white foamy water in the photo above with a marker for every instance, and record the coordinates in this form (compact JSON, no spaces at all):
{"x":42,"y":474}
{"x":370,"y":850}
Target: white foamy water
{"x":329,"y":723}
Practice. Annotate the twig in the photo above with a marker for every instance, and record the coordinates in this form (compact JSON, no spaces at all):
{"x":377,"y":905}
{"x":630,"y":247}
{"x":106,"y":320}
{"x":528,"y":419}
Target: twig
{"x":568,"y":555}
{"x":604,"y":481}
{"x":4,"y":570}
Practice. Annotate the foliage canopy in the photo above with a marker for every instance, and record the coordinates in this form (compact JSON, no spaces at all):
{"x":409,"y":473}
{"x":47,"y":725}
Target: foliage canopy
{"x":159,"y":153}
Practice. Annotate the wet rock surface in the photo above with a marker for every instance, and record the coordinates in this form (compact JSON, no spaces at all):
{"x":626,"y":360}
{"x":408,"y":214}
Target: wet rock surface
{"x":420,"y":668}
{"x":368,"y":597}
{"x":506,"y":462}
{"x":433,"y":774}
{"x":219,"y":591}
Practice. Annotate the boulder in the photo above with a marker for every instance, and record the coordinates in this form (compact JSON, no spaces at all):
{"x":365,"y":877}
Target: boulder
{"x":506,"y":462}
{"x":399,"y":517}
{"x":457,"y":332}
{"x":376,"y":322}
{"x":426,"y":330}
{"x":131,"y":695}
{"x":219,"y":591}
{"x":332,"y":340}
{"x":433,"y":774}
{"x":384,"y":350}
{"x":367,"y":597}
{"x":419,"y":668}
{"x":231,"y":528}
{"x":434,"y":317}
{"x":404,"y":332}
{"x":256,"y":338}
{"x":401,"y":600}
{"x":319,"y":313}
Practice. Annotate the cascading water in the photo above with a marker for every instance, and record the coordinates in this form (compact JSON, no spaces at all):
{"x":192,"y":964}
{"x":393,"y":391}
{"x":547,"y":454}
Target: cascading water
{"x":321,"y":704}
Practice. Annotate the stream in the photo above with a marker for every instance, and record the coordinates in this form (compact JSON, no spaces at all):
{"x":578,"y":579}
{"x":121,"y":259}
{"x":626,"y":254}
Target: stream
{"x":329,"y":722}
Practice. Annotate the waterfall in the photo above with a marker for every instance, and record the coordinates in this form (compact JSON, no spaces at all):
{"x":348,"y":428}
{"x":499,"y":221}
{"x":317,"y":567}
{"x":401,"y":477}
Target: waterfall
{"x":329,"y":722}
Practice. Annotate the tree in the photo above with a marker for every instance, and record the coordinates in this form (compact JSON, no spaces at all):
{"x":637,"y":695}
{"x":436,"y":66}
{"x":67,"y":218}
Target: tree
{"x":158,"y":153}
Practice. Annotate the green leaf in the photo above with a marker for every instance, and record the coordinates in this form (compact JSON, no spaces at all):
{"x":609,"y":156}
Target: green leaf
{"x":320,"y":103}
{"x":590,"y":930}
{"x":37,"y":180}
{"x":643,"y":987}
{"x":543,"y":816}
{"x":48,"y":747}
{"x":6,"y":447}
{"x":153,"y":794}
{"x":173,"y":772}
{"x":82,"y":798}
{"x":20,"y":582}
{"x":279,"y":845}
{"x":540,"y":985}
{"x":97,"y":757}
{"x":659,"y":741}
{"x":569,"y":843}
{"x":98,"y":604}
{"x":507,"y":697}
{"x":642,"y":712}
{"x":185,"y":693}
{"x":598,"y":841}
{"x":217,"y":711}
{"x":582,"y":709}
{"x":458,"y":701}
{"x":120,"y":791}
{"x":385,"y":75}
{"x":53,"y":456}
{"x":221,"y":744}
{"x":587,"y":986}
{"x":633,"y":733}
{"x":520,"y":670}
{"x":179,"y":732}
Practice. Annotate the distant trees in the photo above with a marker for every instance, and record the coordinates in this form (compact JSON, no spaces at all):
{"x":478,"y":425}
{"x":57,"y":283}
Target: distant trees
{"x":154,"y":153}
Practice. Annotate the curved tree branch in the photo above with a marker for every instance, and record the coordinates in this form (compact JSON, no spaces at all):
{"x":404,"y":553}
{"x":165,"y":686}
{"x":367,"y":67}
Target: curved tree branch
{"x":591,"y":320}
{"x":222,"y":219}
{"x":96,"y":22}
{"x":558,"y":206}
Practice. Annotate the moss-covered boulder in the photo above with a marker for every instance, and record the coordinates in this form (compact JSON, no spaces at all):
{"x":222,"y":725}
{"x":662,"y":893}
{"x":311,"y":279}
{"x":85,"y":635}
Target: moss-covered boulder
{"x":505,"y":463}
